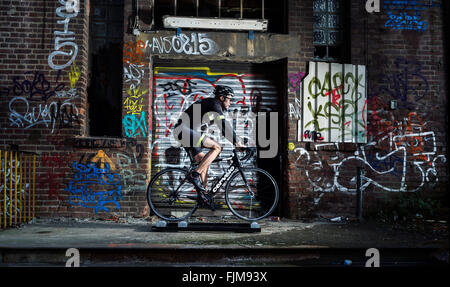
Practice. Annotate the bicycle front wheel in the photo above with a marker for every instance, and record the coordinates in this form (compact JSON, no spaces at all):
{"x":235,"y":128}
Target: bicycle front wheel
{"x":171,"y":196}
{"x":255,"y":203}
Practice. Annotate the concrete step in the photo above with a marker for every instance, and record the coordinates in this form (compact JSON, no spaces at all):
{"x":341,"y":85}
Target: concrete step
{"x":218,"y":257}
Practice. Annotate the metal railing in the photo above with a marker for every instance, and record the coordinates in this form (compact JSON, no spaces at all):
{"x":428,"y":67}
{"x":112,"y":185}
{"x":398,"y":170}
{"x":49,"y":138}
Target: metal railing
{"x":17,"y":187}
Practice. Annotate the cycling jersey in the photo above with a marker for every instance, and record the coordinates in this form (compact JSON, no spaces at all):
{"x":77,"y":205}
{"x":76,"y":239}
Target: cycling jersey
{"x":189,"y":123}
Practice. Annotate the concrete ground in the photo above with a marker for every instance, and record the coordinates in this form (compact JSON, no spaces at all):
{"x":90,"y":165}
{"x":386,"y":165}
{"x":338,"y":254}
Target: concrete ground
{"x":274,"y":236}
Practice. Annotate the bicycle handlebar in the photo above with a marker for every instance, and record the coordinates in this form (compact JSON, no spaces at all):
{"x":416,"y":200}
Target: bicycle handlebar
{"x":249,"y":152}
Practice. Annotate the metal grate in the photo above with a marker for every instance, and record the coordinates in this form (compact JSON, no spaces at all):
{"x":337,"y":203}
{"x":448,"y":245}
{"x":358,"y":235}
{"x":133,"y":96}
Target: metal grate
{"x":17,"y":188}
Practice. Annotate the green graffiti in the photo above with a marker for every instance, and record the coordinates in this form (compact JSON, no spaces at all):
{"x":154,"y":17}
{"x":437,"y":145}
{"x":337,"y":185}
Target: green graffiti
{"x":346,"y":92}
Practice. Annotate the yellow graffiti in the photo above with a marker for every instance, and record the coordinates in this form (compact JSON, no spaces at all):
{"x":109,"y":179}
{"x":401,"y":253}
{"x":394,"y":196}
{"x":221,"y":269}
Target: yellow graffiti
{"x":74,"y":75}
{"x":103,"y":158}
{"x":133,"y":107}
{"x":206,"y":69}
{"x":136,"y":92}
{"x":291,"y":146}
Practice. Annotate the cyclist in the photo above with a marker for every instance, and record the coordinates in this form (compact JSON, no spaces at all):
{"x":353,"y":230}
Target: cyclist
{"x":186,"y":132}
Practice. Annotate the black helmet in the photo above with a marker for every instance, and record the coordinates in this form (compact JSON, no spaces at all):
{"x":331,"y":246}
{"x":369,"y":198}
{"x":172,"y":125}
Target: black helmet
{"x":224,"y":91}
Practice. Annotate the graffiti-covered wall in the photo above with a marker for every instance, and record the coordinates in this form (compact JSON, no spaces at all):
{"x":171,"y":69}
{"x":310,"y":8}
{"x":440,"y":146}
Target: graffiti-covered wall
{"x":403,"y":155}
{"x":383,"y":109}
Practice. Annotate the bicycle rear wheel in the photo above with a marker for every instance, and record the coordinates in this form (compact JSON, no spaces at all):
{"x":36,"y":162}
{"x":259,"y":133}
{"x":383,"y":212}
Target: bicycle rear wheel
{"x":257,"y":203}
{"x":171,"y":196}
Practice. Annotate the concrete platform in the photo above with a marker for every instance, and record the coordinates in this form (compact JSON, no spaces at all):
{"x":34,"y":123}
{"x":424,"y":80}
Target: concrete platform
{"x":287,"y":242}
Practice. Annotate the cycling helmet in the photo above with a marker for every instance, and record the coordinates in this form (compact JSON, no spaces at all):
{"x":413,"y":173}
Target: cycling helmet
{"x":224,"y":91}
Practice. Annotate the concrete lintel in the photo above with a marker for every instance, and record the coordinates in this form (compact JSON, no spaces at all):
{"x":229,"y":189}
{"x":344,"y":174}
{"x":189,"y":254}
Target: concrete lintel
{"x":220,"y":45}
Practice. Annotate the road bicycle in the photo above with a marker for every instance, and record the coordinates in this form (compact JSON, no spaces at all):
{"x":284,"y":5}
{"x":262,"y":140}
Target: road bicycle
{"x":250,"y":193}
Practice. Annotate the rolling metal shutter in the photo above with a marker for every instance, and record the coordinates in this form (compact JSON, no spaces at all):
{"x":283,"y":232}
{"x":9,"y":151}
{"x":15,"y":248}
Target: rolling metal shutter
{"x":176,"y":87}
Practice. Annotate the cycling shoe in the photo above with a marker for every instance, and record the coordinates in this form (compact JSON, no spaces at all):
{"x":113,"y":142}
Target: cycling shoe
{"x":194,"y":178}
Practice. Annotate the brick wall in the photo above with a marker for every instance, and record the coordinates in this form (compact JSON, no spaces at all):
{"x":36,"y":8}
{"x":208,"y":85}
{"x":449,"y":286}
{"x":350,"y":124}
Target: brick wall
{"x":402,"y":65}
{"x":57,"y":127}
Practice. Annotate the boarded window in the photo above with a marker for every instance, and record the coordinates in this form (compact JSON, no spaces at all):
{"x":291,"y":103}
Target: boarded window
{"x":334,"y":104}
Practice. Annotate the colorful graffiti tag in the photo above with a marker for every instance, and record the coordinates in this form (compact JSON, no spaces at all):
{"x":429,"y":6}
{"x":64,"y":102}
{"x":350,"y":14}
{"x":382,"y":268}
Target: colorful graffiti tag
{"x":176,"y":88}
{"x":406,"y":14}
{"x":334,"y":103}
{"x":134,"y":122}
{"x":193,"y":44}
{"x":65,"y":46}
{"x":408,"y":150}
{"x":83,"y":188}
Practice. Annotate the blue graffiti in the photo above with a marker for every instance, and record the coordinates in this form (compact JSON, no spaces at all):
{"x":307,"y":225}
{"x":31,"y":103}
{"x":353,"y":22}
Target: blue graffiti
{"x":403,"y":21}
{"x":405,"y":14}
{"x":87,"y":177}
{"x":39,"y":88}
{"x":134,"y":126}
{"x":379,"y":163}
{"x":406,"y":83}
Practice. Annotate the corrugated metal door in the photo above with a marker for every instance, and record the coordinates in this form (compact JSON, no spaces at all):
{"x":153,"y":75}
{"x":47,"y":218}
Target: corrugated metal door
{"x":176,"y":87}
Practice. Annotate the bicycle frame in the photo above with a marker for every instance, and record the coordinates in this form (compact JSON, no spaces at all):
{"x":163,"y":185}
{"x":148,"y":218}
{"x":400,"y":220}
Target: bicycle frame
{"x":235,"y":165}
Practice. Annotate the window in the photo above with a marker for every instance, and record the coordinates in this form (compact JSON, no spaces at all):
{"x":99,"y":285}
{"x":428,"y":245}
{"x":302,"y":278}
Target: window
{"x":274,"y":11}
{"x":329,"y":30}
{"x":105,"y":68}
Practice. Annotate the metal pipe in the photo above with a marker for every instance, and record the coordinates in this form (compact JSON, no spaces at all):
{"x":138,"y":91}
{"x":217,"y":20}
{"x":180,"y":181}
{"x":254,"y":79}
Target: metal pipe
{"x":24,"y":207}
{"x":4,"y":192}
{"x":20,"y":187}
{"x":0,"y":193}
{"x":34,"y":181}
{"x":10,"y":186}
{"x":242,"y":9}
{"x":29,"y":187}
{"x":175,"y":7}
{"x":359,"y":193}
{"x":220,"y":7}
{"x":263,"y":9}
{"x":15,"y":193}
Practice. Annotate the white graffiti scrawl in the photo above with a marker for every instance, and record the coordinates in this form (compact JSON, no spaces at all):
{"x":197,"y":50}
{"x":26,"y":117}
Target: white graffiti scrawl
{"x":410,"y":152}
{"x":65,"y":45}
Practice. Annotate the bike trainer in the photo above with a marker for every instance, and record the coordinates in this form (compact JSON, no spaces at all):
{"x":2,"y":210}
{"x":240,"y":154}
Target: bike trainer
{"x":163,"y":226}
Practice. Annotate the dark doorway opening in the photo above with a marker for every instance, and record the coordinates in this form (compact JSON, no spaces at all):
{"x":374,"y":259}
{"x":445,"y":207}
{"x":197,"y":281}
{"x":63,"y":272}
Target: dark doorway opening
{"x":105,"y":68}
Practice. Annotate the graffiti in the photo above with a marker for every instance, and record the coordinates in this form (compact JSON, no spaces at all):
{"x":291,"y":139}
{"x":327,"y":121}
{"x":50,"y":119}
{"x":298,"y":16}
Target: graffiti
{"x":296,"y":80}
{"x":134,"y":122}
{"x":315,"y":136}
{"x":406,"y":83}
{"x":20,"y":189}
{"x":135,"y":126}
{"x":408,"y":150}
{"x":134,"y":103}
{"x":60,"y":114}
{"x":133,"y":74}
{"x":86,"y":179}
{"x":132,"y":180}
{"x":175,"y":91}
{"x":64,"y":39}
{"x":51,"y":178}
{"x":406,"y":15}
{"x":334,"y":102}
{"x":38,"y":88}
{"x":196,"y":44}
{"x":102,"y":158}
{"x":126,"y":164}
{"x":133,"y":53}
{"x":295,"y":109}
{"x":403,"y":21}
{"x":74,"y":75}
